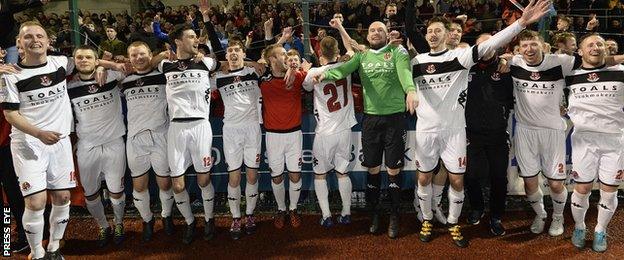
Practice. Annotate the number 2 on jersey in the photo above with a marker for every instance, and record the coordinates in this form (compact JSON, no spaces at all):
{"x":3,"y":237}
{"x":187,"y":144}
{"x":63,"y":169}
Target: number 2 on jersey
{"x":333,"y":104}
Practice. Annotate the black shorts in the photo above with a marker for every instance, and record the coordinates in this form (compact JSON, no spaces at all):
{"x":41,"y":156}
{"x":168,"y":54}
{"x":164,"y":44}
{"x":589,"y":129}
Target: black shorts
{"x":384,"y":134}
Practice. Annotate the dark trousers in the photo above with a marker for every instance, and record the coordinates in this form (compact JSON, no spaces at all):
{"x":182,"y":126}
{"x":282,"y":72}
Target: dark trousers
{"x":11,"y":188}
{"x":488,"y":157}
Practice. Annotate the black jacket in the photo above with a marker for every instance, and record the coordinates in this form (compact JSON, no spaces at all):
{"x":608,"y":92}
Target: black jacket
{"x":490,"y":97}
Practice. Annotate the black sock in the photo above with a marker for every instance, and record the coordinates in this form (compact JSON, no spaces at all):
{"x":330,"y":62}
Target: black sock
{"x":394,"y":188}
{"x":373,"y":181}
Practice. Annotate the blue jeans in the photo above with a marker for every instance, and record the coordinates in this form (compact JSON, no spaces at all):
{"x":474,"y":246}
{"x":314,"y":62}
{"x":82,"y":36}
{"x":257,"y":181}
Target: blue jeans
{"x":12,"y":55}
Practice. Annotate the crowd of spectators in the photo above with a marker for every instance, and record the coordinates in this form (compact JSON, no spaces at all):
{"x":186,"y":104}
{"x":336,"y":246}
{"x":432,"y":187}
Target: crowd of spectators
{"x":111,"y":32}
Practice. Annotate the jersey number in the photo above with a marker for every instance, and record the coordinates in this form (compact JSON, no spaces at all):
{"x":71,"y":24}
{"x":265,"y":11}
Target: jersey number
{"x":330,"y":89}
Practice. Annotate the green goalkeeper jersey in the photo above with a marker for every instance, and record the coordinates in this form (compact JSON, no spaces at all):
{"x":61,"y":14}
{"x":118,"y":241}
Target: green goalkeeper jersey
{"x":385,"y":75}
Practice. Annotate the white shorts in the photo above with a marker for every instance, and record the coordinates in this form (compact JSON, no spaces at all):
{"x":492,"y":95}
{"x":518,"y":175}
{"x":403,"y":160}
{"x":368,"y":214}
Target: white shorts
{"x":540,"y":150}
{"x":284,"y":147}
{"x":242,"y":145}
{"x":332,"y":152}
{"x":148,"y":149}
{"x":597,"y":155}
{"x":41,"y":167}
{"x":106,"y":162}
{"x":448,"y":145}
{"x":189,"y":143}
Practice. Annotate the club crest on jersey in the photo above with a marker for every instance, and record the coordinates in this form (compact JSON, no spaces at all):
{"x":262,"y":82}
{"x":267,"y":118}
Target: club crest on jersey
{"x":25,"y":186}
{"x":592,"y":77}
{"x":46,"y":81}
{"x":535,"y":75}
{"x":139,"y":83}
{"x":182,"y":66}
{"x":430,"y":69}
{"x":237,"y":79}
{"x":92,"y":89}
{"x":387,"y":56}
{"x":495,"y":76}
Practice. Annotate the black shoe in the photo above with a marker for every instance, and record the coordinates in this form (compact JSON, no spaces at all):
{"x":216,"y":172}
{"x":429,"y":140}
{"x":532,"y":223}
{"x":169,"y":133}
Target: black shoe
{"x":374,"y":226}
{"x":496,"y":227}
{"x":148,"y":230}
{"x":56,"y":255}
{"x":474,"y":218}
{"x":236,"y":230}
{"x":426,"y":231}
{"x":393,"y":226}
{"x":209,"y":229}
{"x":456,"y":234}
{"x":20,"y":245}
{"x":168,"y":225}
{"x":189,"y":233}
{"x":104,"y":236}
{"x":119,"y":234}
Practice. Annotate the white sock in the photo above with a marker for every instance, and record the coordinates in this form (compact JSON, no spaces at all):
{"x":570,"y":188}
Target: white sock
{"x":294,"y":190}
{"x":559,"y":201}
{"x":234,"y":198}
{"x":322,"y":194}
{"x":345,"y":187}
{"x":59,"y":216}
{"x":33,"y":225}
{"x":184,"y":206}
{"x":208,"y":201}
{"x":579,"y":203}
{"x":537,"y":202}
{"x":606,"y":207}
{"x":96,"y":209}
{"x":142,"y":204}
{"x":456,"y":202}
{"x":166,"y":202}
{"x":251,"y":197}
{"x":424,"y":198}
{"x":119,"y":205}
{"x":438,"y":190}
{"x":279,"y":191}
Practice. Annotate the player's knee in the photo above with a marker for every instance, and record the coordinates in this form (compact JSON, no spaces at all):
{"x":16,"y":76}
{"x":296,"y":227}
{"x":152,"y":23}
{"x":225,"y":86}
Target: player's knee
{"x":394,"y":172}
{"x":278,"y":179}
{"x":234,"y":182}
{"x":583,"y":188}
{"x":556,"y":186}
{"x":424,"y":179}
{"x":252,"y":177}
{"x":35,"y":202}
{"x":457,"y":184}
{"x":60,"y":197}
{"x":319,"y":176}
{"x":374,"y":170}
{"x":164,"y":183}
{"x":116,"y":195}
{"x":294,"y":177}
{"x":178,"y":187}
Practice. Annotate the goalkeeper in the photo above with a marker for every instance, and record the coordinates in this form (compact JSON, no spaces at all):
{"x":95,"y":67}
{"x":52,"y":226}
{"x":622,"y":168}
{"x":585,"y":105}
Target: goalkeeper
{"x":385,"y":74}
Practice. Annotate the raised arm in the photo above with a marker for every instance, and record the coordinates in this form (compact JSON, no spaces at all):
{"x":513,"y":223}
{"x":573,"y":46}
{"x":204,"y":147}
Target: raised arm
{"x":532,"y":13}
{"x":204,"y":7}
{"x":344,"y":36}
{"x":158,"y":31}
{"x":415,"y":36}
{"x":341,"y":71}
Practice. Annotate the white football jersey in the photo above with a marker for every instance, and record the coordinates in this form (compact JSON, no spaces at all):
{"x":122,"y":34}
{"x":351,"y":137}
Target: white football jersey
{"x":240,"y":93}
{"x":597,"y":99}
{"x":97,"y":109}
{"x":539,"y":89}
{"x":188,"y":87}
{"x":333,"y":102}
{"x":442,"y":79}
{"x":147,"y":101}
{"x":40,"y":95}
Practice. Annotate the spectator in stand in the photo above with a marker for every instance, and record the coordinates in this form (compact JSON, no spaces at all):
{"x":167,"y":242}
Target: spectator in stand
{"x":565,"y":43}
{"x":612,"y":47}
{"x":146,"y":34}
{"x":112,"y":48}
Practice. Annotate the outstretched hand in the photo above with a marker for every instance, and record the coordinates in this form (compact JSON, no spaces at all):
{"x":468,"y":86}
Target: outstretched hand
{"x":534,"y":11}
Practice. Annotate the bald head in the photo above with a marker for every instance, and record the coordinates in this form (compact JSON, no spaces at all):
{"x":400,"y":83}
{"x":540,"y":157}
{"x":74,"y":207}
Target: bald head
{"x":377,"y":35}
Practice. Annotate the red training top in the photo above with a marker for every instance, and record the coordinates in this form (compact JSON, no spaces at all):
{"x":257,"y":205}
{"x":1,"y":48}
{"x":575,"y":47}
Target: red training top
{"x":281,"y":107}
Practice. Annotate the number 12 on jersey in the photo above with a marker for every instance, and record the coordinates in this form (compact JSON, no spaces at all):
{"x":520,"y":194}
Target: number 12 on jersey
{"x":333,"y":104}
